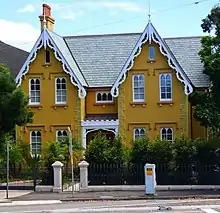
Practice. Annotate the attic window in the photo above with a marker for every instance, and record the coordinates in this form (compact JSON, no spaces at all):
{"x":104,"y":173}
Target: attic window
{"x":104,"y":97}
{"x":47,"y":57}
{"x":151,"y":53}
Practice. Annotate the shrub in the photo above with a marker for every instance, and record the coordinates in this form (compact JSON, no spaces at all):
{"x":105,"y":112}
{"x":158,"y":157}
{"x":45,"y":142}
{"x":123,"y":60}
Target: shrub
{"x":101,"y":150}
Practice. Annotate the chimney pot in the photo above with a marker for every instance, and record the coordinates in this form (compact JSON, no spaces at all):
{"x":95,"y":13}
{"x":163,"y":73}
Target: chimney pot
{"x":46,"y":10}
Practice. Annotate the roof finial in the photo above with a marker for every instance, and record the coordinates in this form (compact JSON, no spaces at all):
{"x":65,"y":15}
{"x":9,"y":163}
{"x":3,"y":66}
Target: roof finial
{"x":149,"y":14}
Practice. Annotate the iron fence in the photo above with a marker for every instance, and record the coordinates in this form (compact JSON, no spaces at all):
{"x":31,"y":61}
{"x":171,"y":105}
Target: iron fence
{"x":25,"y":177}
{"x":134,"y":174}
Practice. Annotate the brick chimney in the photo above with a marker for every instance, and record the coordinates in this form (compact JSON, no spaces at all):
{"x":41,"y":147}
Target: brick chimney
{"x":49,"y":20}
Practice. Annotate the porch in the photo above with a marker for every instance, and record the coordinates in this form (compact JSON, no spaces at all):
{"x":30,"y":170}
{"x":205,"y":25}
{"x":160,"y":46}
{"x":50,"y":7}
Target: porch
{"x":108,"y":124}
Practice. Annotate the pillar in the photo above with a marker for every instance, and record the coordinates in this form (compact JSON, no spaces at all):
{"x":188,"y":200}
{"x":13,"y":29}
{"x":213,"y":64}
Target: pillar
{"x":83,"y":165}
{"x":57,"y":172}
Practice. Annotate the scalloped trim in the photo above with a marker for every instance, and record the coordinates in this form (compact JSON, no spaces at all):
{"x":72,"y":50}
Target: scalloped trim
{"x":150,"y":34}
{"x":104,"y":123}
{"x":46,"y":41}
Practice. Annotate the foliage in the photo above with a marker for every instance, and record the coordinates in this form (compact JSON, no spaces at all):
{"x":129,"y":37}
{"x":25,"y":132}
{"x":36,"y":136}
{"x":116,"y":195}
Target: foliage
{"x":13,"y":103}
{"x":207,"y":103}
{"x":145,"y":151}
{"x":102,"y":150}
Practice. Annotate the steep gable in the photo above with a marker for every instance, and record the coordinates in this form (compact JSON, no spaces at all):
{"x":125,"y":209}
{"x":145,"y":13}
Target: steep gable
{"x":150,"y":34}
{"x":62,"y":54}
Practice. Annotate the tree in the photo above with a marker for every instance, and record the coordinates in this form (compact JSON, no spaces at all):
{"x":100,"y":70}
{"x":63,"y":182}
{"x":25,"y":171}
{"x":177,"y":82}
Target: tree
{"x":13,"y":103}
{"x":207,"y":103}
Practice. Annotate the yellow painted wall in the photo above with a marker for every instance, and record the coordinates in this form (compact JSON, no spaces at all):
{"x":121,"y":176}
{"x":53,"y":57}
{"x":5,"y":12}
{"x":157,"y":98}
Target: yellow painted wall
{"x":152,"y":114}
{"x":50,"y":117}
{"x":99,"y":108}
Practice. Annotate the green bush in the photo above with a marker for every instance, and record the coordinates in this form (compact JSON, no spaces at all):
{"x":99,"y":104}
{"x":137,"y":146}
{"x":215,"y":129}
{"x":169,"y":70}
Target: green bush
{"x":145,"y":151}
{"x":101,"y":150}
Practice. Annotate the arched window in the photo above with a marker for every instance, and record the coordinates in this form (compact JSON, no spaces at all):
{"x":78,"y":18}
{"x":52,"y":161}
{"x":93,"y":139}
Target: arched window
{"x":47,"y":57}
{"x":35,"y":142}
{"x":138,"y":88}
{"x":104,"y":97}
{"x":166,"y":134}
{"x":166,"y":87}
{"x":34,"y":91}
{"x":139,"y":133}
{"x":151,"y":53}
{"x":61,"y":135}
{"x":60,"y":90}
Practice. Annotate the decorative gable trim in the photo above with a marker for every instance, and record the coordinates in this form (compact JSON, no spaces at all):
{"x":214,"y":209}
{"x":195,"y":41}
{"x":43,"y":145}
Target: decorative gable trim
{"x":45,"y":41}
{"x":150,"y":34}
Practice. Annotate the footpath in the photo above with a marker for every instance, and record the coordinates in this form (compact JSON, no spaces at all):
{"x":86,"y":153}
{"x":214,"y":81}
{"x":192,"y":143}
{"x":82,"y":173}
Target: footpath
{"x":117,"y":195}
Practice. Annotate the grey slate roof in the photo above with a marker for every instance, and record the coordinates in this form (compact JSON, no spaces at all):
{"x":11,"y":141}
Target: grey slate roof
{"x":68,"y":56}
{"x":13,"y":57}
{"x":101,"y":57}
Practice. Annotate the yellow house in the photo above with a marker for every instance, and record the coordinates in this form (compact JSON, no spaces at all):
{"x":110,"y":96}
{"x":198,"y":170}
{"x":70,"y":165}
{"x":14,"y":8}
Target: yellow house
{"x":134,"y":85}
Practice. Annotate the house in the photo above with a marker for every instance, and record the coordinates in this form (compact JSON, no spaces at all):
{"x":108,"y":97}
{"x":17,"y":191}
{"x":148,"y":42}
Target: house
{"x":134,"y":85}
{"x":13,"y":57}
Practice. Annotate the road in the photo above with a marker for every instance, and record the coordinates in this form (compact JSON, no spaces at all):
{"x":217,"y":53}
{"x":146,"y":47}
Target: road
{"x":135,"y":206}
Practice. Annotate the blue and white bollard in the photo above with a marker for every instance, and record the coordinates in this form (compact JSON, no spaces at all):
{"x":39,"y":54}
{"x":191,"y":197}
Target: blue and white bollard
{"x":150,"y":179}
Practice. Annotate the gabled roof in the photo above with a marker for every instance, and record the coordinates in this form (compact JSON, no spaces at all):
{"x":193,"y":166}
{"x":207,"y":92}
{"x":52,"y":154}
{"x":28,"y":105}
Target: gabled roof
{"x":102,"y":57}
{"x":12,"y":57}
{"x":61,"y":53}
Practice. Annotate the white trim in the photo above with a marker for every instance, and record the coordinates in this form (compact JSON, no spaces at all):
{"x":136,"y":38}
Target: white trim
{"x":166,"y":99}
{"x":139,"y":128}
{"x":102,"y":92}
{"x":56,"y":102}
{"x":137,"y":100}
{"x":29,"y":86}
{"x":166,"y":128}
{"x":150,"y":34}
{"x":45,"y":41}
{"x":94,"y":125}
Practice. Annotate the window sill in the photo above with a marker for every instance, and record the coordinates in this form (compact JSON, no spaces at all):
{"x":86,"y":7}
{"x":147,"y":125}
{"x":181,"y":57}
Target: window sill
{"x":46,"y":65}
{"x":104,"y":103}
{"x":151,"y":61}
{"x":38,"y":106}
{"x":134,"y":104}
{"x":161,"y":103}
{"x":55,"y":106}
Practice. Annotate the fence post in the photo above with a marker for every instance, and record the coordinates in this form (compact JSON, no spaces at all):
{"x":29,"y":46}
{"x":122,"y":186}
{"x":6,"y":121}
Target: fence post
{"x":83,"y":165}
{"x":57,"y":174}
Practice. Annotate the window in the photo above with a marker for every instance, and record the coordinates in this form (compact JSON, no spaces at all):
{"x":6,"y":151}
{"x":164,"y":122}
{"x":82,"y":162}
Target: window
{"x":138,"y":88}
{"x":61,"y":135}
{"x":47,"y":56}
{"x":166,"y":134}
{"x":166,"y":87}
{"x":60,"y":90}
{"x":104,"y":97}
{"x":139,"y":133}
{"x":35,"y":142}
{"x":34,"y":91}
{"x":151,"y":53}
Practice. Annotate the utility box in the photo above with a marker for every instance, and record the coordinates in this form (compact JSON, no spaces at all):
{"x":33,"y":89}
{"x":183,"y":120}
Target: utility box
{"x":150,"y":179}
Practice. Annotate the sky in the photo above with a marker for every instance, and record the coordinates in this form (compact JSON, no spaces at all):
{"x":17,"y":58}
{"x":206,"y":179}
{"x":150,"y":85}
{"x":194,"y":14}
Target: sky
{"x":20,"y":26}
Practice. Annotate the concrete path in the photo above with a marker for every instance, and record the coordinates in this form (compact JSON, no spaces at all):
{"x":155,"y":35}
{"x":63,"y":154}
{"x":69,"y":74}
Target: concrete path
{"x":12,"y":194}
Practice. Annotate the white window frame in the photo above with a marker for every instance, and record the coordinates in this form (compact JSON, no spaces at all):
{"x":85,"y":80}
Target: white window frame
{"x":137,"y":100}
{"x":61,"y":102}
{"x":166,"y":128}
{"x":149,"y":51}
{"x":102,"y":101}
{"x":171,"y":87}
{"x":62,"y":130}
{"x":33,"y":103}
{"x":139,"y":129}
{"x":36,"y":131}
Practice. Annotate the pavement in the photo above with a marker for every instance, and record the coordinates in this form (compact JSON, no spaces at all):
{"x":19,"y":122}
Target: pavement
{"x":115,"y":195}
{"x":162,"y":206}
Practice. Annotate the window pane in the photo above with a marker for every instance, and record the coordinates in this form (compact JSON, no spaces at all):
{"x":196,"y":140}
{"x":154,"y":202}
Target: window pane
{"x":163,"y":95}
{"x":168,"y":95}
{"x":109,"y":97}
{"x":104,"y":97}
{"x":58,"y":98}
{"x":99,"y":97}
{"x":151,"y":53}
